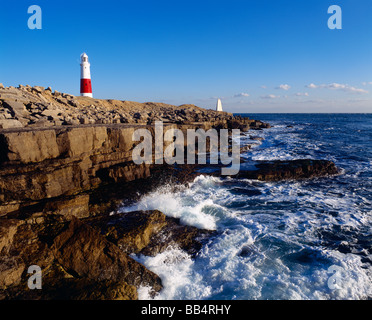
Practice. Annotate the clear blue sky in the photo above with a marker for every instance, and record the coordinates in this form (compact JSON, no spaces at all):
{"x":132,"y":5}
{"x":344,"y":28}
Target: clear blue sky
{"x":257,"y":55}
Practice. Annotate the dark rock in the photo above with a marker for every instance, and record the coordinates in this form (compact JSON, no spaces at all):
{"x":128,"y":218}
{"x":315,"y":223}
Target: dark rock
{"x":21,"y":248}
{"x":80,"y":265}
{"x":256,"y":138}
{"x":84,"y":253}
{"x":86,"y":289}
{"x":246,"y":191}
{"x":174,"y":234}
{"x":131,"y":231}
{"x":57,"y":284}
{"x":245,"y":148}
{"x":295,"y":169}
{"x":149,"y":232}
{"x":247,"y":251}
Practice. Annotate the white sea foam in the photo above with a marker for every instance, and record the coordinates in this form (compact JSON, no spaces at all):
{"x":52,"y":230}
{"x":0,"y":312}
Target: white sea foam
{"x":277,"y":243}
{"x":194,"y":206}
{"x":175,"y":268}
{"x":266,"y":269}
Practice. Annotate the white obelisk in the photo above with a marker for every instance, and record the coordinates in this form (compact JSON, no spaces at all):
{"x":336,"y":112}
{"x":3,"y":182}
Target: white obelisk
{"x":219,"y":105}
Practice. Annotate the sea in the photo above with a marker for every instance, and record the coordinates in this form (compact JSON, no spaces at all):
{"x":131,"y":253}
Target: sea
{"x":306,"y":239}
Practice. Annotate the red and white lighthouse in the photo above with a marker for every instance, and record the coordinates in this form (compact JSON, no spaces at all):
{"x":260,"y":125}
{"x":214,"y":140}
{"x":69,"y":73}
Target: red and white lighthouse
{"x":85,"y":81}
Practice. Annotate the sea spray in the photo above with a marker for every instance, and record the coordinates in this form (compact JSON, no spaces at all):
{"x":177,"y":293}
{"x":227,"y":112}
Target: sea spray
{"x":277,"y":240}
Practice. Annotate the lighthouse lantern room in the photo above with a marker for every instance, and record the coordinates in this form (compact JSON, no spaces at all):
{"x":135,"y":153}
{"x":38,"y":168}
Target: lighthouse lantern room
{"x":85,"y":80}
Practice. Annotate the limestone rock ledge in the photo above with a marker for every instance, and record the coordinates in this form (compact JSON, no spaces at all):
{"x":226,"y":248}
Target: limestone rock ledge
{"x":48,"y":163}
{"x":62,"y":158}
{"x":89,"y":259}
{"x":77,"y":262}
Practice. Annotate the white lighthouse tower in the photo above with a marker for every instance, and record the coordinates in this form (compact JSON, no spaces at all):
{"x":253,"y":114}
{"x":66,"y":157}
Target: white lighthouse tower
{"x":85,"y":80}
{"x":219,"y":105}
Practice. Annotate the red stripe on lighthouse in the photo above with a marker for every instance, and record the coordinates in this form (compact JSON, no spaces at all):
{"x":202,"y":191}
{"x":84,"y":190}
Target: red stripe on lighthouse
{"x":85,"y":86}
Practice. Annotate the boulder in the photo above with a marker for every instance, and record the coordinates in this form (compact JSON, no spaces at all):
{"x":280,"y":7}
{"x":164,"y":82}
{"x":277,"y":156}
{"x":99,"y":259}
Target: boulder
{"x":10,"y":123}
{"x":84,"y":253}
{"x":77,"y":206}
{"x":8,"y":228}
{"x":11,"y":270}
{"x":31,"y":146}
{"x":38,"y":89}
{"x":21,"y":249}
{"x":150,"y":232}
{"x":131,"y":231}
{"x":54,"y":114}
{"x":174,"y":234}
{"x":9,"y":207}
{"x":18,"y":109}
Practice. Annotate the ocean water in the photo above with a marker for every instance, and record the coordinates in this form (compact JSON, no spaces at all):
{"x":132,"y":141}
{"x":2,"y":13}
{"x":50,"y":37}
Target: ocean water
{"x":308,"y":239}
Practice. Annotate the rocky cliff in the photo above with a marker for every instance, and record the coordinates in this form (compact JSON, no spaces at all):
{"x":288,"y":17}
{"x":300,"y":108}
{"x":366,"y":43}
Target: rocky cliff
{"x":65,"y":163}
{"x":48,"y":150}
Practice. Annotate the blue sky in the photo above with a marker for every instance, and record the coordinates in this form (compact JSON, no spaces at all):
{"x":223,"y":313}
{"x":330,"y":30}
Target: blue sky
{"x":258,"y":56}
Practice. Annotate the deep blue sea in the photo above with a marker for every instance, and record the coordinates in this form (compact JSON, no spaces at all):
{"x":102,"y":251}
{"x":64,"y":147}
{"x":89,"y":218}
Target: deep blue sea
{"x":308,"y":239}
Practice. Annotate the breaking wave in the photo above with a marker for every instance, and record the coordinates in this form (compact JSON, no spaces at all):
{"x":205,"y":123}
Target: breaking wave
{"x":276,"y":240}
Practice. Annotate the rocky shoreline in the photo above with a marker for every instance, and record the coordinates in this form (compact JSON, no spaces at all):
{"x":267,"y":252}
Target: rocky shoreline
{"x":66,"y":167}
{"x":37,"y":107}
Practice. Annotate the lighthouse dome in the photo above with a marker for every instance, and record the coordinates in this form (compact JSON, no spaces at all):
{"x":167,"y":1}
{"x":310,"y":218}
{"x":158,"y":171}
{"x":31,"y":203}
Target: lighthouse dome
{"x":84,"y":57}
